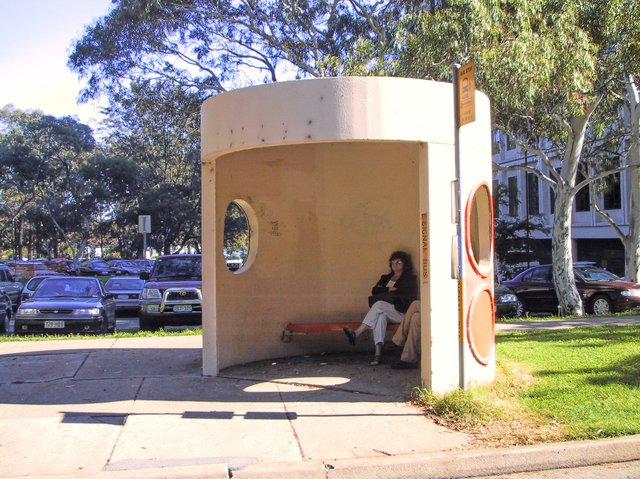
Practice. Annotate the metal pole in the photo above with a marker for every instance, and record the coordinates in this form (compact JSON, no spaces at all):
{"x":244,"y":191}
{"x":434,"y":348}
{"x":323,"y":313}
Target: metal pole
{"x":459,"y":226}
{"x":144,"y":245}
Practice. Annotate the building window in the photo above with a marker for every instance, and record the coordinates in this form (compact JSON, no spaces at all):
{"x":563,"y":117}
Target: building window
{"x":495,"y":143}
{"x":552,"y":201}
{"x":612,"y":196}
{"x":533,"y":194}
{"x":512,"y":191}
{"x":583,"y":197}
{"x":511,"y":144}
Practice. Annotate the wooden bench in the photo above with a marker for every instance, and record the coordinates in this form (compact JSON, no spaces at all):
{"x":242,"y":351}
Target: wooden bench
{"x":291,"y":329}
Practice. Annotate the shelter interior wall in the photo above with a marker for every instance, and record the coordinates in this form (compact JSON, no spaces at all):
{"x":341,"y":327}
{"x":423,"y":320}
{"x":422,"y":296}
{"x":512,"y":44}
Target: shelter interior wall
{"x":329,"y":215}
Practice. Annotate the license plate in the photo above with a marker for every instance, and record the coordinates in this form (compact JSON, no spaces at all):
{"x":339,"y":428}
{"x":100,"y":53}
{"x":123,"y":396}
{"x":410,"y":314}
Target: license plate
{"x":54,"y":324}
{"x":182,"y":308}
{"x":123,"y":296}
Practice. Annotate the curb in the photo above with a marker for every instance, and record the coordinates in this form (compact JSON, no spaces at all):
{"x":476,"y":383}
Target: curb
{"x":459,"y":464}
{"x":441,"y":465}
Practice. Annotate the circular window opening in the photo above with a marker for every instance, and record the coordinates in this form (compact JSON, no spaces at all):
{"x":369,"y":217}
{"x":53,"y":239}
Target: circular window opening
{"x":479,"y":230}
{"x":237,"y":237}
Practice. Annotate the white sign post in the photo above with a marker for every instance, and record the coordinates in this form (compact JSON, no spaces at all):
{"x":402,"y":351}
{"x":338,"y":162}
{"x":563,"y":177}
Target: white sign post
{"x":144,"y":226}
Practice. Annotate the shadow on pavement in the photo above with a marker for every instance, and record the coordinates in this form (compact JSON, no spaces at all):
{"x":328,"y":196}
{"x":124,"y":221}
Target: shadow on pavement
{"x":92,"y":376}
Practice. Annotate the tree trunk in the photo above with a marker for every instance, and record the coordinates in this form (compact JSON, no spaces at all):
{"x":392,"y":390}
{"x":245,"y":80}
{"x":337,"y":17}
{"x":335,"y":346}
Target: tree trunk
{"x":632,"y":243}
{"x":561,"y":252}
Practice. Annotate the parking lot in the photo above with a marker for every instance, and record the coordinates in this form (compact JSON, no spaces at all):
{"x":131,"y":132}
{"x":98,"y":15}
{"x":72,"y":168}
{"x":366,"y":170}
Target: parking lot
{"x":132,"y":324}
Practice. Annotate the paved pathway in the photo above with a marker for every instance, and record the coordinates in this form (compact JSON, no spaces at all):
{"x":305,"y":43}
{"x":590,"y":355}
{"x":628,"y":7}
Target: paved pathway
{"x":566,"y":323}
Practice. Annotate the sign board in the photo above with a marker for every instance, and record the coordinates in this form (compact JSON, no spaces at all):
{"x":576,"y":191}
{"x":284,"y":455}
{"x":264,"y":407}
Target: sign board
{"x":467,"y":94}
{"x":424,"y":227}
{"x":144,"y":223}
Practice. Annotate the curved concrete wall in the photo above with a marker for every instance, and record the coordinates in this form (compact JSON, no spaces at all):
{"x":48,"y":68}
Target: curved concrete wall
{"x":331,"y":109}
{"x":336,"y":173}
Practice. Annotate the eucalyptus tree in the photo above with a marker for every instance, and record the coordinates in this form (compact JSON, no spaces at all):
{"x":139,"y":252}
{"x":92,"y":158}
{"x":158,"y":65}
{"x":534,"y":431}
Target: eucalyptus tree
{"x":41,"y":159}
{"x":546,"y":67}
{"x":212,"y":45}
{"x":117,"y":186}
{"x":156,"y":126}
{"x":615,"y":25}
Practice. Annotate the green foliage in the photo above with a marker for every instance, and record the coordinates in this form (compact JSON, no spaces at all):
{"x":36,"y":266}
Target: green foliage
{"x":43,"y":163}
{"x":236,"y":231}
{"x":512,"y":240}
{"x":155,"y":125}
{"x":532,"y":59}
{"x":464,"y":409}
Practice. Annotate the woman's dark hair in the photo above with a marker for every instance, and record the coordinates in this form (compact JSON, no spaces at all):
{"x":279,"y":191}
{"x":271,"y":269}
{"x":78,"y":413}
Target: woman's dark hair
{"x":405,"y":258}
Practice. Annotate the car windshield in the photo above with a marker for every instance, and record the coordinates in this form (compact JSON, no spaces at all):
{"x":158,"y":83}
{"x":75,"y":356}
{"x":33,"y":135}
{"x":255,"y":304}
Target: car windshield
{"x":596,"y":274}
{"x":122,"y":283}
{"x":68,"y":288}
{"x":100,"y":263}
{"x":190,"y":267}
{"x":35,"y":281}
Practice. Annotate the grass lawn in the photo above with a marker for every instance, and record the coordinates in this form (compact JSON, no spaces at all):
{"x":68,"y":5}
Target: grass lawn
{"x":586,"y":378}
{"x":551,"y":385}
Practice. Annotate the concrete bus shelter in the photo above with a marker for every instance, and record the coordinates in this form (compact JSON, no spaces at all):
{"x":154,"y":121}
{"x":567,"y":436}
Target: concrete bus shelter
{"x":334,"y":174}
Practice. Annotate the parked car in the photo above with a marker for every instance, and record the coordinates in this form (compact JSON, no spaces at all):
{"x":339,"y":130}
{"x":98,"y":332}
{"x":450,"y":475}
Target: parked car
{"x":12,"y":287}
{"x":6,"y":312}
{"x":506,"y":301}
{"x":601,"y":291}
{"x":124,"y":267}
{"x":95,"y":267}
{"x":172,"y":294}
{"x":144,"y":264}
{"x":32,"y":284}
{"x":126,"y":292}
{"x":67,"y":304}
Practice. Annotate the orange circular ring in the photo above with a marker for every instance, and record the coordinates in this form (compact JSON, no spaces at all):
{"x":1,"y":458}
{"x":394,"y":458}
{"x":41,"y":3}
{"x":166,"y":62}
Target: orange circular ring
{"x":467,"y":218}
{"x":481,"y":347}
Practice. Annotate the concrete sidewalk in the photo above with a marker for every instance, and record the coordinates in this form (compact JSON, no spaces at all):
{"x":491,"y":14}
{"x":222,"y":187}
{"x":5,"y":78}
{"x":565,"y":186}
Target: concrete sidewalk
{"x":140,"y":408}
{"x":567,"y":323}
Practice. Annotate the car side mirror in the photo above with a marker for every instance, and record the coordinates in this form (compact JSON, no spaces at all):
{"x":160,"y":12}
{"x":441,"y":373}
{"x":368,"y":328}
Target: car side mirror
{"x":144,"y":275}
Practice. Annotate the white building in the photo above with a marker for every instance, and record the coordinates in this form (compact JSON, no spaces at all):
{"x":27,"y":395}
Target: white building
{"x":529,"y":197}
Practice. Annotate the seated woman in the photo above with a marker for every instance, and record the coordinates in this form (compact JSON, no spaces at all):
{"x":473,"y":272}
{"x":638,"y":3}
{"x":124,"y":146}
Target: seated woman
{"x":391,"y":297}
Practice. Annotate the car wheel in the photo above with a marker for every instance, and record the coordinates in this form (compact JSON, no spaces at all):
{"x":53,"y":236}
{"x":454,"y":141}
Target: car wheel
{"x":520,"y":309}
{"x":601,"y":304}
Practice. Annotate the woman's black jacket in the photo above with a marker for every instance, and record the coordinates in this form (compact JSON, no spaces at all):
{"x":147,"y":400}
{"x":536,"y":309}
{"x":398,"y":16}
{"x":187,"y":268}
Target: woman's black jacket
{"x":407,"y":290}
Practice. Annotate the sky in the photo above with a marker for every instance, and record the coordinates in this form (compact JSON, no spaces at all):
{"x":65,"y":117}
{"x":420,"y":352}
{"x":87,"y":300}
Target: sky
{"x":36,"y":37}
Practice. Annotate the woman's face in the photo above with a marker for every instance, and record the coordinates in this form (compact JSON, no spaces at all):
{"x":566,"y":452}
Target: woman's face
{"x":397,"y":265}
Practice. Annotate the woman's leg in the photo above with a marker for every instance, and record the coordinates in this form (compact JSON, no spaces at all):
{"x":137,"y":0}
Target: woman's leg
{"x":401,"y":334}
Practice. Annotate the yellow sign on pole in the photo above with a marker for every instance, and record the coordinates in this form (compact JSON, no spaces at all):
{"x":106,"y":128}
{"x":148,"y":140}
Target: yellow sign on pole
{"x":467,"y":94}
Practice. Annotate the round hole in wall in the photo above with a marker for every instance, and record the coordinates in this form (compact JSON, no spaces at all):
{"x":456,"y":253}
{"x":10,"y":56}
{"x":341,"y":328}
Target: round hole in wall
{"x":479,"y":230}
{"x":240,"y":236}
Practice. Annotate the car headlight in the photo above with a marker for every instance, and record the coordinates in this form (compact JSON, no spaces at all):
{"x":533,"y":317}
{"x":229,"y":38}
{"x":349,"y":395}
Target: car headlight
{"x":631,"y":293}
{"x":27,"y":311}
{"x":87,"y":311}
{"x":151,"y":293}
{"x":507,"y":298}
